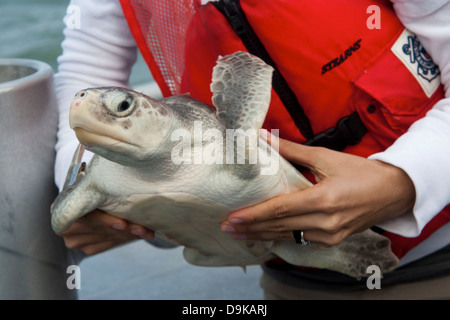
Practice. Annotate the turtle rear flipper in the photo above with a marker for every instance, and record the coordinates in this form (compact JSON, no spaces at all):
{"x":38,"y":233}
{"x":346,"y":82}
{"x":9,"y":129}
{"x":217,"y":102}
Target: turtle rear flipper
{"x":351,"y":257}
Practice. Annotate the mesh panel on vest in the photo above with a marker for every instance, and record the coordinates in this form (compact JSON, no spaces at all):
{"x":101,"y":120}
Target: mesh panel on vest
{"x":164,"y":25}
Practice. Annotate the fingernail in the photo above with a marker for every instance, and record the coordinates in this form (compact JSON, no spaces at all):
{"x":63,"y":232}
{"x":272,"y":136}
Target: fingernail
{"x":227,"y":228}
{"x":147,"y":237}
{"x":236,"y":221}
{"x":118,"y":226}
{"x":137,"y":232}
{"x":239,"y":236}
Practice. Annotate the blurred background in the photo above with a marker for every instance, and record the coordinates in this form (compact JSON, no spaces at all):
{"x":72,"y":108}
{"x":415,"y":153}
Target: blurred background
{"x":32,"y":29}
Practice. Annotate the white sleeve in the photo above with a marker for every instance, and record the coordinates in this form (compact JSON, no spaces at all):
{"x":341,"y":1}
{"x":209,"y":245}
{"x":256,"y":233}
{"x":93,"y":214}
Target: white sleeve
{"x":424,"y":151}
{"x":99,"y":51}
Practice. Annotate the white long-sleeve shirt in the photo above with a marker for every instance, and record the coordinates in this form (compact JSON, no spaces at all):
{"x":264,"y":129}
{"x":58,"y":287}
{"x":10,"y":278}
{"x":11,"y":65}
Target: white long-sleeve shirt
{"x":101,"y":52}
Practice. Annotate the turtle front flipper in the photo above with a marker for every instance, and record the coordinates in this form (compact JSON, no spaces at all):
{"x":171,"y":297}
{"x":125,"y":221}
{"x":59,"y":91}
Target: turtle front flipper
{"x":241,"y":87}
{"x":77,"y":199}
{"x":72,"y":204}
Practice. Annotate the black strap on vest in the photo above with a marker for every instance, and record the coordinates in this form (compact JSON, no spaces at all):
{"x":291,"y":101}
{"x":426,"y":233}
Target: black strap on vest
{"x":349,"y":130}
{"x":232,"y":10}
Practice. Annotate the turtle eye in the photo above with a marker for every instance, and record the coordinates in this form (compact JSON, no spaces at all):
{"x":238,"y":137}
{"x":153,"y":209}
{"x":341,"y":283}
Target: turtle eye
{"x":119,"y":102}
{"x":124,"y":105}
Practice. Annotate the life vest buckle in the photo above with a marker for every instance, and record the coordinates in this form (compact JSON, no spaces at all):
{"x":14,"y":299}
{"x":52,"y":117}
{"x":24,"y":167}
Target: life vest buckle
{"x":349,"y":131}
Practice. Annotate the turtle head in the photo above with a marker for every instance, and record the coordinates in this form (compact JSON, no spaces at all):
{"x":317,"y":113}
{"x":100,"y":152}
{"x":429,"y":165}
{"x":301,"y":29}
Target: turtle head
{"x":120,"y":124}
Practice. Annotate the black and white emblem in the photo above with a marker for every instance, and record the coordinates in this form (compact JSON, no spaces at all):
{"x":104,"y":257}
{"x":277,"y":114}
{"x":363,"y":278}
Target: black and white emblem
{"x":426,"y":68}
{"x":413,"y":55}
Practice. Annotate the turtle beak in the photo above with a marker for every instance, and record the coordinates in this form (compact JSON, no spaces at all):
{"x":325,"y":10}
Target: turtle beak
{"x":82,"y":122}
{"x":89,"y":129}
{"x":79,"y":109}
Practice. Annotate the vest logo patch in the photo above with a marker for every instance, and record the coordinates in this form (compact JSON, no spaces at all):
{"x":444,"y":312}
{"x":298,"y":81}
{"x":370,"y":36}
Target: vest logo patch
{"x":414,"y":56}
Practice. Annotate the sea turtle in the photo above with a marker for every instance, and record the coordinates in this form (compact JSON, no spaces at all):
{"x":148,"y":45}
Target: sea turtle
{"x":164,"y":164}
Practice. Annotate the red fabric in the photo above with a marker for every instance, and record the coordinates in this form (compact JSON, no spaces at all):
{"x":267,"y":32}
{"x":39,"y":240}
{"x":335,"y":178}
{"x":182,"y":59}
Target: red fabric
{"x":302,"y":37}
{"x":401,"y":245}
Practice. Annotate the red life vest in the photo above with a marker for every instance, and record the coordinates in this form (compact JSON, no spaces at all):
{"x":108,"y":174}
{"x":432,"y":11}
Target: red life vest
{"x":330,"y":56}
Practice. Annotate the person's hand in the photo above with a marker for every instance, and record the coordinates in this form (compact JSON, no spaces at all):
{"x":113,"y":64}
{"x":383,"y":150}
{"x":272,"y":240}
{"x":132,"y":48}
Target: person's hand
{"x":99,"y":231}
{"x":352,"y":194}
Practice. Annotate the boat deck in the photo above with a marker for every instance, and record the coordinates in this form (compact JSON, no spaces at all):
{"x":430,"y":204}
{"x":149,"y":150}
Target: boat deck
{"x":141,"y":271}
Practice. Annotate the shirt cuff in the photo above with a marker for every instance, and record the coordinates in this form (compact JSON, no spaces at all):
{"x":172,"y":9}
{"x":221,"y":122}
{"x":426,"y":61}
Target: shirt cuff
{"x":423,"y":153}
